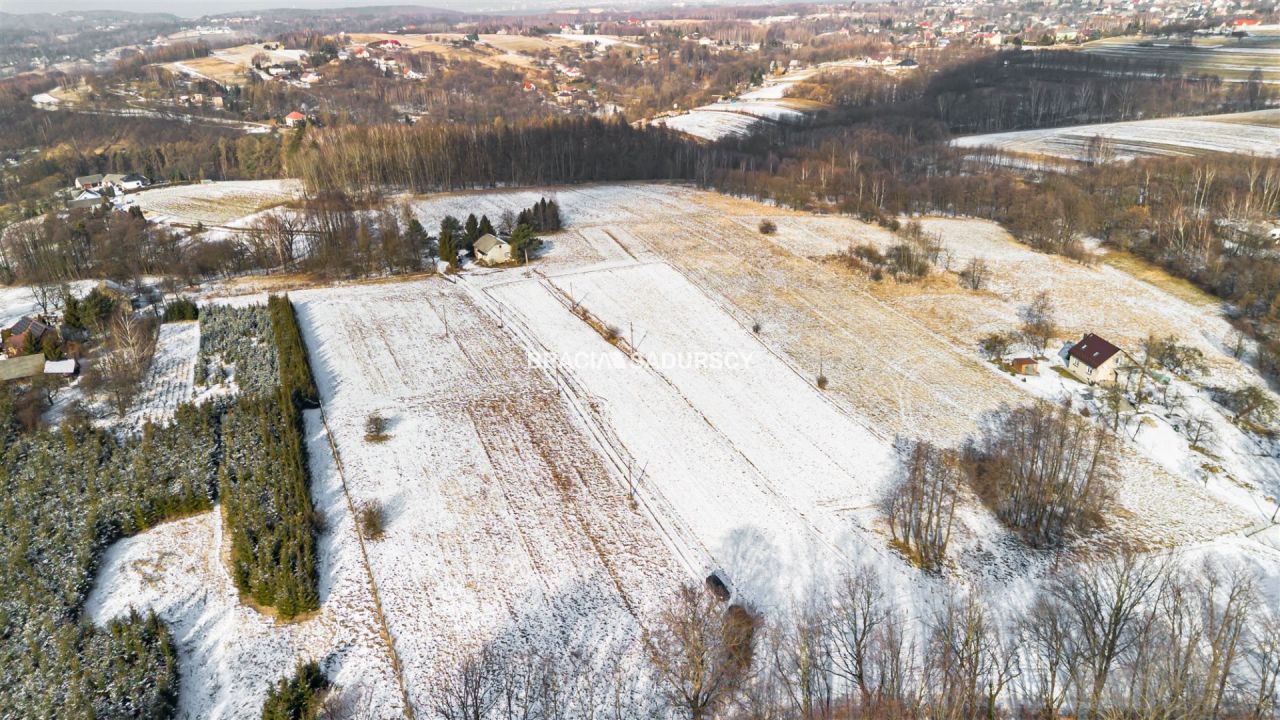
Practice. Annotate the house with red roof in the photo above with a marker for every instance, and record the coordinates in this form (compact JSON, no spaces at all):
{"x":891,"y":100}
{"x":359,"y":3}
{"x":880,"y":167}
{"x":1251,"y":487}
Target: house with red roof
{"x":1093,"y":360}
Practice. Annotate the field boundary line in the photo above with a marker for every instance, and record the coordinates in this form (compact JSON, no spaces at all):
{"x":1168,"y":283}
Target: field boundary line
{"x":384,"y":630}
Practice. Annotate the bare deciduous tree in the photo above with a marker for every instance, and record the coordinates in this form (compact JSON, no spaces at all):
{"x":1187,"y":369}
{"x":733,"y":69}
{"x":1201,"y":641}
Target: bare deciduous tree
{"x":274,"y":239}
{"x":473,"y":689}
{"x":922,"y":508}
{"x":976,"y":274}
{"x":970,"y":665}
{"x":1039,"y":326}
{"x":120,"y":368}
{"x":701,"y":653}
{"x":1104,"y":603}
{"x":1046,"y":471}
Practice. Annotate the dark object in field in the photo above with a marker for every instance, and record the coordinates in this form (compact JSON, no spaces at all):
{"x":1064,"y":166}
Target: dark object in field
{"x":718,"y":586}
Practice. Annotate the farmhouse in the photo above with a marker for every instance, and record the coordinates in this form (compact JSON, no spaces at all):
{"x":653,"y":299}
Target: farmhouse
{"x":293,"y":118}
{"x":125,"y":181}
{"x":85,"y":199}
{"x":1093,"y":360}
{"x":27,"y":332}
{"x":492,"y":251}
{"x":88,"y":182}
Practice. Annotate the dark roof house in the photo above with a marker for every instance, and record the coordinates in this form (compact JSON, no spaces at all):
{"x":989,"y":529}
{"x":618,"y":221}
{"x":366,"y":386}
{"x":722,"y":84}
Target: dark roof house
{"x":1093,"y":351}
{"x":15,"y":339}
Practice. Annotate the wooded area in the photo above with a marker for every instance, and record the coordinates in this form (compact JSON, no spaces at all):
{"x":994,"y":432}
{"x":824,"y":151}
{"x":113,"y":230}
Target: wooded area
{"x":66,"y":494}
{"x":1127,"y":636}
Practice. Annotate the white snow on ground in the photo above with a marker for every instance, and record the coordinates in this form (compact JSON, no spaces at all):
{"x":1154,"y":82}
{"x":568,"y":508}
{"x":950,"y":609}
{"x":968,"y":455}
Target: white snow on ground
{"x":19,"y":300}
{"x":214,"y":203}
{"x":738,"y":459}
{"x":504,"y":526}
{"x":601,"y":40}
{"x":229,"y":653}
{"x":710,"y":123}
{"x":741,"y":115}
{"x":170,"y":378}
{"x":507,"y":486}
{"x":1256,"y":133}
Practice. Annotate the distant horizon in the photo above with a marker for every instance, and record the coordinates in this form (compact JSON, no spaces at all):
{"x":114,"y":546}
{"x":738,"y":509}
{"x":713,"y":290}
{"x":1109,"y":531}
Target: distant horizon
{"x":184,"y":10}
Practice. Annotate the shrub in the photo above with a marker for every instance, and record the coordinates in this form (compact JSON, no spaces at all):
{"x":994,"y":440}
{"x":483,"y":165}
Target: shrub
{"x":976,"y":274}
{"x":179,"y":310}
{"x":375,"y":429}
{"x":768,"y":227}
{"x":298,"y":697}
{"x":372,"y":521}
{"x":822,"y":381}
{"x":995,"y":345}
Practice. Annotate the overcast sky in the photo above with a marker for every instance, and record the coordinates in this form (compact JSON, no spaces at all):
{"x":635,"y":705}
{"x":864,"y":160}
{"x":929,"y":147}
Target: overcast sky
{"x":196,"y":8}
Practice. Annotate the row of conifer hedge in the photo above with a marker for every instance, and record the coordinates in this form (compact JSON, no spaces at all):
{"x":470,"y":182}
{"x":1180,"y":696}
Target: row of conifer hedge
{"x":265,"y":481}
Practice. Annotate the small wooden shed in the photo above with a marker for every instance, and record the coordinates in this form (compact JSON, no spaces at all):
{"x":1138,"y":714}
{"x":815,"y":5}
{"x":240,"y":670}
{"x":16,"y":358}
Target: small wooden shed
{"x":1025,"y":366}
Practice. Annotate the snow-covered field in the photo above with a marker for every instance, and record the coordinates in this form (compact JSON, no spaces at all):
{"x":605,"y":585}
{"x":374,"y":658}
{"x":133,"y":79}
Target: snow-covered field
{"x":1231,"y":59}
{"x":742,"y":115}
{"x":169,"y":380}
{"x":1255,"y":133}
{"x":215,"y":203}
{"x":229,"y":653}
{"x":732,"y":446}
{"x":569,"y":441}
{"x":712,"y":123}
{"x":503,"y":525}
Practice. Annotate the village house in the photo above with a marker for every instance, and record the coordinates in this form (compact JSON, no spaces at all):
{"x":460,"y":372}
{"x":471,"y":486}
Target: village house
{"x":1093,"y":360}
{"x":27,"y":333}
{"x":294,"y":118}
{"x":125,"y":181}
{"x":492,"y":251}
{"x":85,"y":199}
{"x":88,"y":182}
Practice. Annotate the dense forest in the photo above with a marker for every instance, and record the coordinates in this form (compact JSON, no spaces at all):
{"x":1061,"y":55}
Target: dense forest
{"x":431,"y":157}
{"x":66,"y":494}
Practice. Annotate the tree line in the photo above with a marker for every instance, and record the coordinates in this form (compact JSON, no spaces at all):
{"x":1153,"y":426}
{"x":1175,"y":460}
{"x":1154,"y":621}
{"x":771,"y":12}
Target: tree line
{"x":264,"y":478}
{"x":436,"y":156}
{"x":1131,"y":635}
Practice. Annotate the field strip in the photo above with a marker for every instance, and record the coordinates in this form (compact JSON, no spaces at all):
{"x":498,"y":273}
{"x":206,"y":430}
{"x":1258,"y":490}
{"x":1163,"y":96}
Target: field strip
{"x":505,"y":527}
{"x":712,"y":461}
{"x":364,"y":561}
{"x":682,"y":541}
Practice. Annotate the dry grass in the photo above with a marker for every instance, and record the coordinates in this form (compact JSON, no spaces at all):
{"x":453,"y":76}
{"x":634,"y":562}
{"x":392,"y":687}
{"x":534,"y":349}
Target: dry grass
{"x":214,"y":68}
{"x":1183,"y":289}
